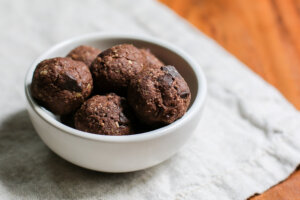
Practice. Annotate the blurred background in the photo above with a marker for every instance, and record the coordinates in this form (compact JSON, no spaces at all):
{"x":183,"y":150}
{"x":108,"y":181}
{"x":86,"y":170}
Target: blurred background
{"x":264,"y":34}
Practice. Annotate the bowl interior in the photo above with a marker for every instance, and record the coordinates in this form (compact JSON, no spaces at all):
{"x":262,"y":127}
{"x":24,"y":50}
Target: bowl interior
{"x":164,"y":51}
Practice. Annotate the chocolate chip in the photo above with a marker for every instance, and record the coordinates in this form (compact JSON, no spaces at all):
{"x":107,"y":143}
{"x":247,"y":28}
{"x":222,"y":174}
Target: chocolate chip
{"x":184,"y":94}
{"x":70,"y":83}
{"x":170,"y":70}
{"x":183,"y":90}
{"x":166,"y":79}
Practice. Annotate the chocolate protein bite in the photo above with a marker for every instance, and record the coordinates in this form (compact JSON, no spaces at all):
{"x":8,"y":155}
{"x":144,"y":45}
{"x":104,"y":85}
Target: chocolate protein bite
{"x":159,"y":95}
{"x":150,"y":59}
{"x":106,"y":115}
{"x":61,"y":84}
{"x":115,"y":67}
{"x":84,"y":53}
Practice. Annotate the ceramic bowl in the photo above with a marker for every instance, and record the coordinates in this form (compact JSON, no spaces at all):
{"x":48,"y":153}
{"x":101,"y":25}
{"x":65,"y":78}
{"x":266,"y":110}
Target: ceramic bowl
{"x":120,"y":153}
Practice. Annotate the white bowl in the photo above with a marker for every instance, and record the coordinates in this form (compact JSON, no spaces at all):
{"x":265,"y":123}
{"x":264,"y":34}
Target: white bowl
{"x":120,"y":153}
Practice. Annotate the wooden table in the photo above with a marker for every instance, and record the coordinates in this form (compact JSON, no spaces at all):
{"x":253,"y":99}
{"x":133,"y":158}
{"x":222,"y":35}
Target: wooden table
{"x":265,"y":35}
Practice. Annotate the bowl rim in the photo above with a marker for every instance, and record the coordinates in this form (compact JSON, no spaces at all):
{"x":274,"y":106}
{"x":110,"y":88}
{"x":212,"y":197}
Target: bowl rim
{"x":192,"y":111}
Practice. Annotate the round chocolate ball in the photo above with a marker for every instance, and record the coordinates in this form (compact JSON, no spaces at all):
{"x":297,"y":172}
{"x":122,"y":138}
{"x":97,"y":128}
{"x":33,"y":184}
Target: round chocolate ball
{"x":106,"y":115}
{"x":150,"y":59}
{"x":159,"y":95}
{"x":115,"y":67}
{"x":84,"y":53}
{"x":61,"y":84}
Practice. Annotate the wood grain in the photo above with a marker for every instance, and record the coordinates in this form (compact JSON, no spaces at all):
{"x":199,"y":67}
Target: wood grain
{"x":264,"y":34}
